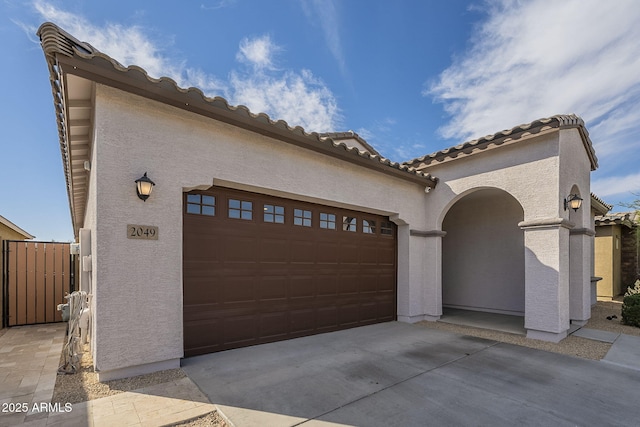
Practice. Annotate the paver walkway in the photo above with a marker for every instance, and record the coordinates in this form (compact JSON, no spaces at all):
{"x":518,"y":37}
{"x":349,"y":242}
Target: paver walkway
{"x":29,"y":358}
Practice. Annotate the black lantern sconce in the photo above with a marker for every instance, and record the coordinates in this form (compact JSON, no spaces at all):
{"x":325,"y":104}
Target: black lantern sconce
{"x":144,"y":186}
{"x":572,"y":201}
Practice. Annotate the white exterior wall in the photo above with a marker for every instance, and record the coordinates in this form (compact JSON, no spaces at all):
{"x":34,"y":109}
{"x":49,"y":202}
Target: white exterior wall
{"x":483,"y":261}
{"x":138,"y":283}
{"x":575,"y":178}
{"x":538,"y":172}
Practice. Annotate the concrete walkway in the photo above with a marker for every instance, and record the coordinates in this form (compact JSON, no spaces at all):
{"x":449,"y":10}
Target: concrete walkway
{"x":396,"y":374}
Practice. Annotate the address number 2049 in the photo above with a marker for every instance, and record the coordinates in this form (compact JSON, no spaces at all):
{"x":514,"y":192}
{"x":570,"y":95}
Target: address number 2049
{"x":145,"y":232}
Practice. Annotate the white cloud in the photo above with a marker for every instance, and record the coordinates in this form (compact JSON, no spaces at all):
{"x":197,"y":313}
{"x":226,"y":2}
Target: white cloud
{"x":220,"y":4}
{"x":616,"y":185}
{"x":539,"y":58}
{"x":257,"y":52}
{"x":299,"y":98}
{"x":325,"y":14}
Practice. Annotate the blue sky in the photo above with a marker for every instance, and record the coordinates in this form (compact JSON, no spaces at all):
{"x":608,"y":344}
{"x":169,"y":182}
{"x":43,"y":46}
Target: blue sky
{"x":411,"y":77}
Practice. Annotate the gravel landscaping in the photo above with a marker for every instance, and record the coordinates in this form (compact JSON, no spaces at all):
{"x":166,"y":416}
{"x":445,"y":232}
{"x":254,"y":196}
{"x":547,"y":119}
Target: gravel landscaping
{"x":84,"y":385}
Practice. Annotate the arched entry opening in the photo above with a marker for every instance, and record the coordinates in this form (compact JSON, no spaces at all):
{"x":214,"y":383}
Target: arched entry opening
{"x":483,"y":266}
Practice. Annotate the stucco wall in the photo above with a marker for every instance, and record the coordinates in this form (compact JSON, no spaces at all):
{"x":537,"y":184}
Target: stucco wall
{"x":483,"y":257}
{"x":138,"y":283}
{"x":538,"y":171}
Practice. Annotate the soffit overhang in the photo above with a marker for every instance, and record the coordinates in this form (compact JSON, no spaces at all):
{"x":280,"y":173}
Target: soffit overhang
{"x":74,"y":66}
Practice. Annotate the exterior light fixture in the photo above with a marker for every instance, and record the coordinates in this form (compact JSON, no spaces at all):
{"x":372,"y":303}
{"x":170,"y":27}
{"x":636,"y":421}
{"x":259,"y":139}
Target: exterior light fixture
{"x":572,"y":201}
{"x":144,"y":186}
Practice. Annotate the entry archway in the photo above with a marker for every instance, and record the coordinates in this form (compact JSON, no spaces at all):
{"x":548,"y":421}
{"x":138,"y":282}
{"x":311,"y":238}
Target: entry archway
{"x":483,"y":265}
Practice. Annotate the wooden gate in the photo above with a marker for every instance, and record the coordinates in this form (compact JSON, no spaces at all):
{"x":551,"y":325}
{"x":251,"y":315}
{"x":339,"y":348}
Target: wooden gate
{"x":36,"y":277}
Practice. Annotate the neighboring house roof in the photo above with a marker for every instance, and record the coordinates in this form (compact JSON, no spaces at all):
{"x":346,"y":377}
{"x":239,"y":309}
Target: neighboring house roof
{"x":4,"y":221}
{"x":507,"y":137}
{"x":350,"y":135}
{"x":599,"y":206}
{"x":68,"y":57}
{"x":628,"y":219}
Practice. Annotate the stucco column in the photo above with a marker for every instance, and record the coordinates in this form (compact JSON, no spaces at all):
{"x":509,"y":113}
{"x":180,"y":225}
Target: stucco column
{"x":580,"y":253}
{"x":426,"y":276}
{"x":546,"y":278}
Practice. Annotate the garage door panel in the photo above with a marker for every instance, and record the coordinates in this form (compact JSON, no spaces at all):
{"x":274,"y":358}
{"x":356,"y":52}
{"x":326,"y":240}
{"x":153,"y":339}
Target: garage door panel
{"x":327,"y":252}
{"x":240,"y":249}
{"x":327,"y":317}
{"x":238,"y":289}
{"x":273,"y":288}
{"x":273,"y":325}
{"x":349,"y":314}
{"x":348,"y":253}
{"x":326,"y":284}
{"x":240,"y":330}
{"x":369,"y":284}
{"x":302,"y":251}
{"x":203,"y":292}
{"x":348,"y":284}
{"x":251,"y":282}
{"x":273,"y":250}
{"x":386,"y":256}
{"x":386,"y":283}
{"x":302,"y":320}
{"x":301,"y":287}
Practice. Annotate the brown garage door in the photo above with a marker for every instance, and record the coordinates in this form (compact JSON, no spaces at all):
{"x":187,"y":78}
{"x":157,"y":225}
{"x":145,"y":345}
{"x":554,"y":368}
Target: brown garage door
{"x":259,"y":269}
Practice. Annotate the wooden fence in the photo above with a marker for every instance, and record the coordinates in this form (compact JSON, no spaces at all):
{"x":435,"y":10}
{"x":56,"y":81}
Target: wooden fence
{"x":36,"y":277}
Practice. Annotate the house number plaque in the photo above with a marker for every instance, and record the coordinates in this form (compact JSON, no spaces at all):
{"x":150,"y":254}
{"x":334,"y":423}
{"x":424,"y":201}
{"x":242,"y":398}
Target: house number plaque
{"x":145,"y":232}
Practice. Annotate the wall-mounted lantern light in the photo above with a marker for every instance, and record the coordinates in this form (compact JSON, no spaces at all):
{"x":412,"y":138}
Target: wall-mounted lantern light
{"x":572,"y":201}
{"x":144,"y":186}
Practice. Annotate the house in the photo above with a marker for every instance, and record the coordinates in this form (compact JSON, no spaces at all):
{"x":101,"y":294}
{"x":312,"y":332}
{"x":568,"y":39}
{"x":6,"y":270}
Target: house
{"x":9,"y":231}
{"x":616,"y":249}
{"x":257,"y":232}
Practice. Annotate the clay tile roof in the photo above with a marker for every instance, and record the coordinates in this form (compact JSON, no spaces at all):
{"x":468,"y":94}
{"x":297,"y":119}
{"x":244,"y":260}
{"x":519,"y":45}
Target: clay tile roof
{"x":339,"y":136}
{"x":509,"y":136}
{"x":599,"y":205}
{"x":628,"y":219}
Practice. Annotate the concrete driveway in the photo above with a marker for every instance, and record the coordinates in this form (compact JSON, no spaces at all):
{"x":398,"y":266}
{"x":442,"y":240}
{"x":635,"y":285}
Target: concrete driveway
{"x":406,"y":375}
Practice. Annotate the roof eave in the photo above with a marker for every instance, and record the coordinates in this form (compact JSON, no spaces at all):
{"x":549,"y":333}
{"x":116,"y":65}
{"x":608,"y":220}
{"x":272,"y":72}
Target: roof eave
{"x":15,"y":228}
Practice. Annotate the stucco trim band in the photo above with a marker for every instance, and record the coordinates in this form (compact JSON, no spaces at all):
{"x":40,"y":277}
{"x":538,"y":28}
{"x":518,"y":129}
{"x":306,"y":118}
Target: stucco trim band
{"x":546,"y":223}
{"x":431,"y":233}
{"x":584,"y":231}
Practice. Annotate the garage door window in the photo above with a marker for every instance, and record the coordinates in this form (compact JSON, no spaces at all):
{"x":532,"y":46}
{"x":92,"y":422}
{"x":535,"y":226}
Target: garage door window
{"x":349,"y":223}
{"x":240,"y":209}
{"x":386,"y":228}
{"x":302,"y":217}
{"x":327,"y":221}
{"x":368,"y":226}
{"x":273,"y":213}
{"x":201,"y":204}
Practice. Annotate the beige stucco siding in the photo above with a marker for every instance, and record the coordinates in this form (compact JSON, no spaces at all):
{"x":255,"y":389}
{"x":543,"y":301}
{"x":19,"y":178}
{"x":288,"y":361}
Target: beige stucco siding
{"x":138,"y":283}
{"x":607,"y":261}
